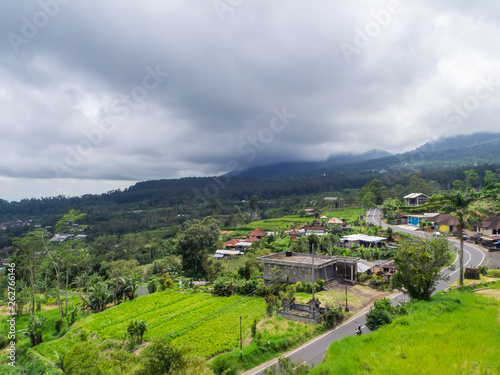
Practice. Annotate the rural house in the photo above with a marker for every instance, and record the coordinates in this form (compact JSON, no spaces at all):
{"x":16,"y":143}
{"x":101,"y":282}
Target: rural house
{"x":299,"y":266}
{"x":488,"y":227}
{"x":258,"y":233}
{"x":416,"y":199}
{"x":444,"y":222}
{"x":361,"y":239}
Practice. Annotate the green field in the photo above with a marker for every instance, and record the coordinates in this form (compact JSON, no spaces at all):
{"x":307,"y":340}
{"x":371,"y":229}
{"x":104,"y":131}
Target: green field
{"x":454,"y":333}
{"x":165,"y":313}
{"x":292,"y":221}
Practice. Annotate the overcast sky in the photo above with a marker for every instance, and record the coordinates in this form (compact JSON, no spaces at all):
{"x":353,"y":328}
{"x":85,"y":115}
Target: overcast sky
{"x":96,"y":95}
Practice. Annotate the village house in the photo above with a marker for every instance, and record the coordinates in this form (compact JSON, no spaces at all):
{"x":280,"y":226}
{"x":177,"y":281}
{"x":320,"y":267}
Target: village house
{"x":299,"y":267}
{"x":219,"y":254}
{"x":361,"y":239}
{"x":314,"y":229}
{"x":365,"y":267}
{"x":309,"y":211}
{"x":384,"y":268}
{"x":416,"y":219}
{"x":257,"y":233}
{"x":443,"y":222}
{"x":231,"y":244}
{"x":488,"y":227}
{"x":335,"y":221}
{"x":416,"y":199}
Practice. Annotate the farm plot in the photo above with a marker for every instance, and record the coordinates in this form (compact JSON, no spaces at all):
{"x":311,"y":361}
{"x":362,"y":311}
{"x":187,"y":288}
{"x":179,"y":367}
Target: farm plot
{"x":165,"y":313}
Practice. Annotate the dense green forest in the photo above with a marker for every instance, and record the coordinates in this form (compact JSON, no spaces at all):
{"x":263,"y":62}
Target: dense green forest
{"x":166,"y":204}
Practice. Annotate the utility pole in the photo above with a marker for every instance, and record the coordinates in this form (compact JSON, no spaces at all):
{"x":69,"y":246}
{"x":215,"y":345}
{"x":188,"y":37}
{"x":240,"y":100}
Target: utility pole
{"x":241,"y":342}
{"x":346,"y":307}
{"x":312,"y":256}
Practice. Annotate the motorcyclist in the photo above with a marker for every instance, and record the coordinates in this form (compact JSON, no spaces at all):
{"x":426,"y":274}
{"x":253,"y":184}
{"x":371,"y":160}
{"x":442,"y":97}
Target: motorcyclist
{"x":358,"y":331}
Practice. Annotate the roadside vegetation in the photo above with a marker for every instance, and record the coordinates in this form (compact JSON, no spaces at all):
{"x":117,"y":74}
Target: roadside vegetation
{"x":454,"y":333}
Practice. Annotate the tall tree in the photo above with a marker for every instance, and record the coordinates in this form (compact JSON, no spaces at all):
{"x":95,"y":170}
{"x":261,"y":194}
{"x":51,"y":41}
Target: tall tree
{"x":458,"y":206}
{"x":254,"y":203}
{"x":27,"y":256}
{"x":490,"y":179}
{"x":378,"y":190}
{"x":418,"y":264}
{"x":195,"y":242}
{"x":417,"y":184}
{"x":68,"y":254}
{"x":471,"y":177}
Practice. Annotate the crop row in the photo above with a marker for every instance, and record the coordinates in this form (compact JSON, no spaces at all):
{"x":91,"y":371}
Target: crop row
{"x":168,"y":312}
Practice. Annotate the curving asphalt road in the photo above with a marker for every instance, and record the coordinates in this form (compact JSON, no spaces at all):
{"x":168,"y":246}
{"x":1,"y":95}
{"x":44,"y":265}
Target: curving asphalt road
{"x":313,"y":351}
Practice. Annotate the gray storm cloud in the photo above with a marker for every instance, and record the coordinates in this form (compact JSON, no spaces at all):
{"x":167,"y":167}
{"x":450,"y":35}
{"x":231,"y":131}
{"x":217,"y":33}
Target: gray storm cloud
{"x":107,"y":91}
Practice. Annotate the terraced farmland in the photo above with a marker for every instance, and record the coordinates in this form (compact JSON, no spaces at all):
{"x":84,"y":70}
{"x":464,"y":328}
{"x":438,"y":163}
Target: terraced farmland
{"x":165,"y":313}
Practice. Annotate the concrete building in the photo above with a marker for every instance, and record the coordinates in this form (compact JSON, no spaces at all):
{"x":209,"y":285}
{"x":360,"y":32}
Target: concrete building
{"x":416,"y":199}
{"x":299,"y":267}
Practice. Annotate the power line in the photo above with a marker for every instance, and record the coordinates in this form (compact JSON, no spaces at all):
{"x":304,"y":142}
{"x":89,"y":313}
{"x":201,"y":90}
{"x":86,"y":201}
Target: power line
{"x":208,"y":316}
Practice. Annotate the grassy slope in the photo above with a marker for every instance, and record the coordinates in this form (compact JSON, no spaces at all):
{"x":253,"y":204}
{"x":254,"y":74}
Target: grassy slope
{"x":454,"y":333}
{"x":164,"y":313}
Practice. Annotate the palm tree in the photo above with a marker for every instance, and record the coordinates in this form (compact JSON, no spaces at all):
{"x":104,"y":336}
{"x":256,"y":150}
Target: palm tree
{"x":458,"y":206}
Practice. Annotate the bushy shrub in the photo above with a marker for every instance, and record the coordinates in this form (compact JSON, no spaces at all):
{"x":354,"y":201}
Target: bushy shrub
{"x":136,"y":331}
{"x":319,"y":285}
{"x":377,"y":318}
{"x":307,"y":287}
{"x":98,"y":357}
{"x":383,"y":312}
{"x":299,"y":287}
{"x":168,"y":284}
{"x":223,"y":287}
{"x":225,"y":364}
{"x":162,"y":358}
{"x":246,"y":287}
{"x":152,"y":285}
{"x":364,"y":278}
{"x":272,"y":303}
{"x":333,"y":315}
{"x":377,"y":281}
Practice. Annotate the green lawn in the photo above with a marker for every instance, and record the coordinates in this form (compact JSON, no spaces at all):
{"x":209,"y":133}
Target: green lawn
{"x":455,"y":333}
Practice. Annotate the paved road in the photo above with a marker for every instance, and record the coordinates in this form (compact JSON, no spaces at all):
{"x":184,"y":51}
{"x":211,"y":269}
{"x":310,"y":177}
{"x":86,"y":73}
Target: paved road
{"x":313,"y":352}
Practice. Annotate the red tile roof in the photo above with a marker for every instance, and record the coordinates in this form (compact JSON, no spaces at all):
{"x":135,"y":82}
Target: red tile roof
{"x":257,"y":232}
{"x":231,"y":243}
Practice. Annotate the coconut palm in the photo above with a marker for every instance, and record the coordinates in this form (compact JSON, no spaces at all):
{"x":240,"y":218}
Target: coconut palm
{"x":458,"y":206}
